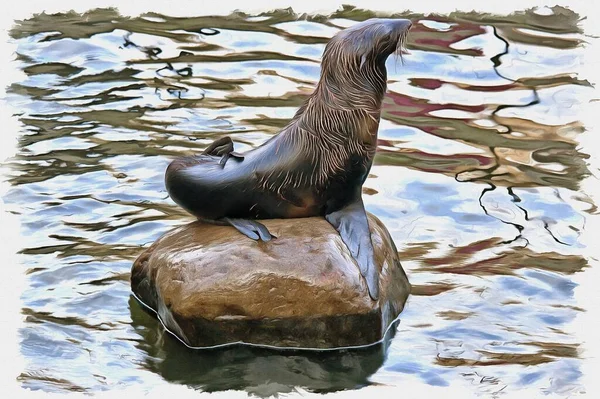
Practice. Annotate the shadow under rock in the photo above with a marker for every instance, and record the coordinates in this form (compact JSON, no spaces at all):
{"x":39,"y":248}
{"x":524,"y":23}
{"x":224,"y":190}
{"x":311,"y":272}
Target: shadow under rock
{"x":257,"y":370}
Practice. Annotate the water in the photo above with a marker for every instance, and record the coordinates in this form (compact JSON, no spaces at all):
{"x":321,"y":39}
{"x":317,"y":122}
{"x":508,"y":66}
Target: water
{"x":477,"y":178}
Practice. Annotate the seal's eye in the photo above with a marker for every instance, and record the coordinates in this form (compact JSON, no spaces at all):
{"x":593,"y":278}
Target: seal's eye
{"x":386,"y":38}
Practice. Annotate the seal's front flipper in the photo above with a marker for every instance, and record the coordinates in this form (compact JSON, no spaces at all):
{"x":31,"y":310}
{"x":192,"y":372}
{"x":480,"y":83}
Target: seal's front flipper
{"x":222,"y":147}
{"x":352,"y":224}
{"x":251,"y":228}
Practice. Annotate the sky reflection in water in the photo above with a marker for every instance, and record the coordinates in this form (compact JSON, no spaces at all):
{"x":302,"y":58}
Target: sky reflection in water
{"x":477,"y":179}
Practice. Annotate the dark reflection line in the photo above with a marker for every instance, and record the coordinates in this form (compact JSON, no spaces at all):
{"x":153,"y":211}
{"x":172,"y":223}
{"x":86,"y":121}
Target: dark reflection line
{"x":186,"y":71}
{"x":552,"y":234}
{"x":151,"y":52}
{"x":207,"y":31}
{"x":496,"y":61}
{"x":515,"y":199}
{"x":489,"y":171}
{"x":492,"y":187}
{"x":516,"y":225}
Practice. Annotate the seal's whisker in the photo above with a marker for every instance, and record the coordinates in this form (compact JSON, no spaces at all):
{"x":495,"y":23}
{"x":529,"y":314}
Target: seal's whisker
{"x":336,"y":126}
{"x":401,"y":46}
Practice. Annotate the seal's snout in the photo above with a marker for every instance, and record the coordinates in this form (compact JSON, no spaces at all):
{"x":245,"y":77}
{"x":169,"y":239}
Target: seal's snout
{"x":399,"y":32}
{"x":365,"y":46}
{"x":400,"y":25}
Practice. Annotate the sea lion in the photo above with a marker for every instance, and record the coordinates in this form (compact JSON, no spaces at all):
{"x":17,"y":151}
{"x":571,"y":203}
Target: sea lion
{"x":317,"y":164}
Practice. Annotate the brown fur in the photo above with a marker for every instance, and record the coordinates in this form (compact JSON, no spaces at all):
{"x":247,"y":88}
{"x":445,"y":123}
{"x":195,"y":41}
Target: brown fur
{"x":321,"y":158}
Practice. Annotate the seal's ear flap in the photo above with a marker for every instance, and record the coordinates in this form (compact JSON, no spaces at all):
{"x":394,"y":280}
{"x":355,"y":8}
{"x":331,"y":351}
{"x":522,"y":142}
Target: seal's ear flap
{"x":363,"y":59}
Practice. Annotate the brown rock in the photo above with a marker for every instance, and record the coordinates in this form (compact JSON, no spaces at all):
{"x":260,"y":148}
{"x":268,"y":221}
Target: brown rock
{"x":211,"y":285}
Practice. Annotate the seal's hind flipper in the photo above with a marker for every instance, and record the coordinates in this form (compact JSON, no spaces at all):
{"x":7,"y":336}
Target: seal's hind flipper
{"x":219,"y":147}
{"x":222,"y":147}
{"x":229,"y":155}
{"x":251,"y":228}
{"x":352,"y":224}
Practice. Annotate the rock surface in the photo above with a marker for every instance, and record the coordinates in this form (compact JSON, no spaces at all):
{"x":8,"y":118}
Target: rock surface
{"x":210,"y":285}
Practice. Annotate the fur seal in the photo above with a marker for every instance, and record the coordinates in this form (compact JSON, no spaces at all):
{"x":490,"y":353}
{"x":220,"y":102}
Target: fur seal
{"x":317,"y":164}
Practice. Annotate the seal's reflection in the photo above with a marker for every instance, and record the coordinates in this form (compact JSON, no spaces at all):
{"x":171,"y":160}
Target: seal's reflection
{"x":260,"y":371}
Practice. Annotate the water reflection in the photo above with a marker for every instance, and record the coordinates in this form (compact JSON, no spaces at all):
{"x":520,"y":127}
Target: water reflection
{"x":477,"y":177}
{"x":262,"y":372}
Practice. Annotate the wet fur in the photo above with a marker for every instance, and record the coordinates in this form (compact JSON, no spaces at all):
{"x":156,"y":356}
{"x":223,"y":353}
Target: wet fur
{"x":317,"y":164}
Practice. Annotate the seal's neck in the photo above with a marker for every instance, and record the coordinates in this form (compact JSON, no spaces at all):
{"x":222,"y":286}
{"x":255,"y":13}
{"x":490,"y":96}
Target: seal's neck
{"x":346,"y":103}
{"x":354,"y":84}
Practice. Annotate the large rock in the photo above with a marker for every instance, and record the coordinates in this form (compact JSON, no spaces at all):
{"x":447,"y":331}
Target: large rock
{"x":211,"y":285}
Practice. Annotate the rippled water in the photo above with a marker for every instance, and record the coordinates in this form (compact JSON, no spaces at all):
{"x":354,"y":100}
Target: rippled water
{"x":477,"y":178}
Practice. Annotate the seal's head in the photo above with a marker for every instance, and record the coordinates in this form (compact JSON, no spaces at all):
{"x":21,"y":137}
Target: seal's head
{"x":353,"y":71}
{"x":368,"y":43}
